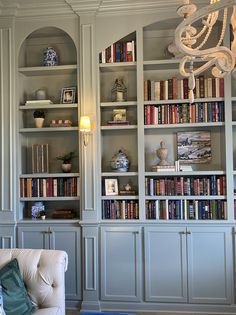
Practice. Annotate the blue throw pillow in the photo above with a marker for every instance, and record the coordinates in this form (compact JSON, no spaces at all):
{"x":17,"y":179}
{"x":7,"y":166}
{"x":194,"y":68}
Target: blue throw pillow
{"x":15,"y":297}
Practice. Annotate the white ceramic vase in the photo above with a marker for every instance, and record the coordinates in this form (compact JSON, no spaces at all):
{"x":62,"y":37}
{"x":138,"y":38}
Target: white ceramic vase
{"x":39,"y":122}
{"x":66,"y":168}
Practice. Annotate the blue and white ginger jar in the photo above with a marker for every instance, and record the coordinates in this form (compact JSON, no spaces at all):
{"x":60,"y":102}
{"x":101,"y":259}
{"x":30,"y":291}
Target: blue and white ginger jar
{"x":120,"y":162}
{"x":50,"y":57}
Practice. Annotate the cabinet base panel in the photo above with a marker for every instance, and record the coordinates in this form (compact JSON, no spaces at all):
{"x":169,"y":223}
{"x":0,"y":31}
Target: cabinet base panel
{"x":167,"y":308}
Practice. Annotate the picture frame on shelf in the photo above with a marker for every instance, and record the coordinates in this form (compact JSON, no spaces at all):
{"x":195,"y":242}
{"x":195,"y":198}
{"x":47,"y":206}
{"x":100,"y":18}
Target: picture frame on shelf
{"x":194,"y":147}
{"x":68,"y":95}
{"x":111,"y":187}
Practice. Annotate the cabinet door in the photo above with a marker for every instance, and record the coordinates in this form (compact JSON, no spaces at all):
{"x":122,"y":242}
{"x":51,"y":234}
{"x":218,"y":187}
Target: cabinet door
{"x":68,"y":239}
{"x":209,"y":265}
{"x":7,"y":236}
{"x":120,"y":263}
{"x":36,"y":237}
{"x":165,"y":264}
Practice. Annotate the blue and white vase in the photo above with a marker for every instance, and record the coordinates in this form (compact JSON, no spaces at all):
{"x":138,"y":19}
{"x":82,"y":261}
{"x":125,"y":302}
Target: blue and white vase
{"x":120,"y":162}
{"x":50,"y":57}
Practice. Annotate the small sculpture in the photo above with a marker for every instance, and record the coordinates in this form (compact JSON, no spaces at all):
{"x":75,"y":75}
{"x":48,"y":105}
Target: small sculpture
{"x":128,"y":187}
{"x":162,"y":153}
{"x":119,"y":90}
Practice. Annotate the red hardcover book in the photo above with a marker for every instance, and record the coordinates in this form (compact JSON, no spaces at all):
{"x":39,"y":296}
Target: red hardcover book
{"x":152,"y":119}
{"x":148,"y":113}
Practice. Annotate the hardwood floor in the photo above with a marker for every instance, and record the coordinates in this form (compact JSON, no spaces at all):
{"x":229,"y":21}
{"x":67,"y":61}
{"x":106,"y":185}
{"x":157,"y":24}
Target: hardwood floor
{"x":70,"y":312}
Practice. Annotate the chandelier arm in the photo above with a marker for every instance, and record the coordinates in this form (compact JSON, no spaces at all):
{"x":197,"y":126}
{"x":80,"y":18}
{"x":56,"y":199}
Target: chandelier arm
{"x":221,"y":57}
{"x":196,"y":16}
{"x":195,"y":72}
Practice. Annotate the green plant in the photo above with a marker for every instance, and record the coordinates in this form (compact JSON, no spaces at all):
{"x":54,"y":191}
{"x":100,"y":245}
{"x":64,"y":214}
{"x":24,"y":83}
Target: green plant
{"x":39,"y":114}
{"x":66,"y":158}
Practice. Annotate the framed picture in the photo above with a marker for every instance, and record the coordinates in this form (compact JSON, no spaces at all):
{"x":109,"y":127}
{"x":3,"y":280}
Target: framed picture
{"x":111,"y":187}
{"x":194,"y":147}
{"x":68,"y":95}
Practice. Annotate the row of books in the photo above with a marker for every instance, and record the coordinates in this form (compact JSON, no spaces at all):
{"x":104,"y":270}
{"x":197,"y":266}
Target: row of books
{"x":174,"y":88}
{"x":118,"y":52}
{"x":120,"y":209}
{"x":186,"y":186}
{"x":186,"y":209}
{"x":49,"y":187}
{"x":202,"y":112}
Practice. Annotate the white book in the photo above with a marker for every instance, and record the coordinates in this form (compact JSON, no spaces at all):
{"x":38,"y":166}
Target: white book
{"x":165,"y":90}
{"x":151,"y":187}
{"x":180,"y":89}
{"x":133,"y":50}
{"x":196,"y":209}
{"x":157,"y":209}
{"x":197,"y":89}
{"x":103,"y":56}
{"x":209,"y":87}
{"x":54,"y":187}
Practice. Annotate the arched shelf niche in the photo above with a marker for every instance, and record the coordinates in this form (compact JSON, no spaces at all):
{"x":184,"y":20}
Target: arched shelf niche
{"x":33,"y":75}
{"x":32,"y":48}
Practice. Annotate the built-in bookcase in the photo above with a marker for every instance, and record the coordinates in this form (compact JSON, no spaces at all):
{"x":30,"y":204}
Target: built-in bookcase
{"x":57,"y":190}
{"x":159,"y":110}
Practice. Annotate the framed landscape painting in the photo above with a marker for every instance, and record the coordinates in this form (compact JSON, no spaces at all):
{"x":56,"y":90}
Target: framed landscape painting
{"x":194,"y":147}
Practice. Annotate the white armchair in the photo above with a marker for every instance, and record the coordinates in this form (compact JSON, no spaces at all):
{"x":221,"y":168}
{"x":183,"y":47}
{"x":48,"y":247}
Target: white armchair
{"x":43,"y":272}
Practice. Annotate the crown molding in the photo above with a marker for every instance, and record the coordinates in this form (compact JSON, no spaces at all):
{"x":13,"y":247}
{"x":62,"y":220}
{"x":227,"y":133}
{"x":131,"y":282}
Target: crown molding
{"x":26,"y":8}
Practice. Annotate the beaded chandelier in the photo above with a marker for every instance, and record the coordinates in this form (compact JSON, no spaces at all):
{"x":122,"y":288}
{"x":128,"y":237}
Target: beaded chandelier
{"x":190,"y":41}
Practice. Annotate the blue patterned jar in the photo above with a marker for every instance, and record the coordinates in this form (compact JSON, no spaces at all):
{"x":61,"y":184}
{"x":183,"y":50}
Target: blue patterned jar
{"x":50,"y":57}
{"x":120,"y":162}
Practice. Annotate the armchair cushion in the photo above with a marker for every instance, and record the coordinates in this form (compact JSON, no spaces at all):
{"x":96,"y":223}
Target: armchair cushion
{"x":15,"y":296}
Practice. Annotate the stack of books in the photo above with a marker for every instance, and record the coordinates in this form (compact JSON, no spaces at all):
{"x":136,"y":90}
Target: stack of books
{"x":163,"y":168}
{"x":38,"y":102}
{"x":185,"y":168}
{"x":118,"y":122}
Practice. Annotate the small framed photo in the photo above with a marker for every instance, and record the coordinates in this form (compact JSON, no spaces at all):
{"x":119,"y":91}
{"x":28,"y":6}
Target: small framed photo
{"x":68,"y":95}
{"x":111,"y":187}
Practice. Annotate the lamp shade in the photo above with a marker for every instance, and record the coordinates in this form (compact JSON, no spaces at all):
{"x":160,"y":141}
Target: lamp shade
{"x":85,"y":125}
